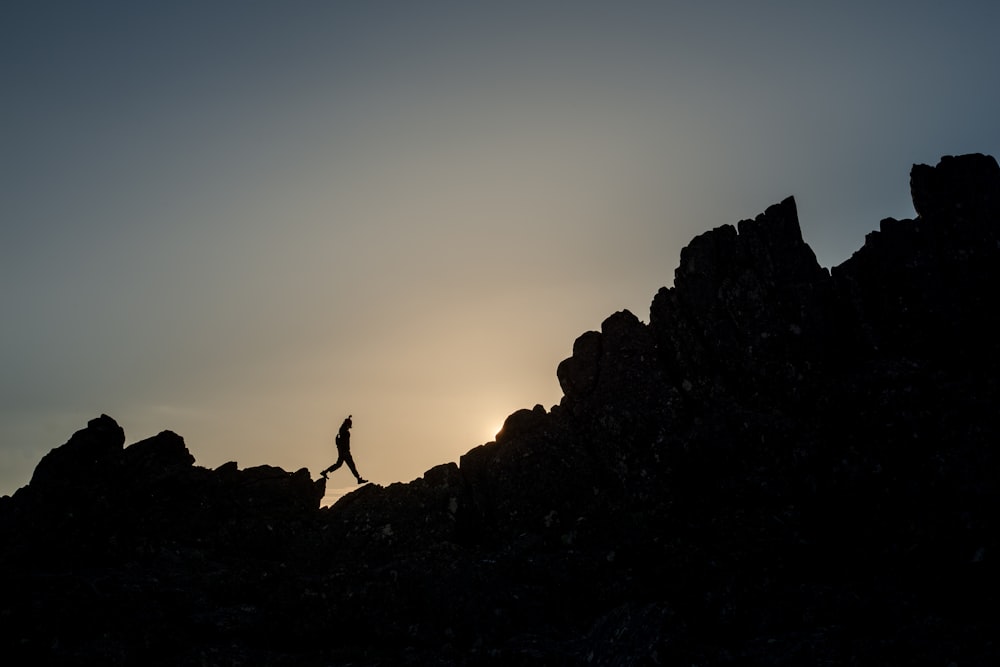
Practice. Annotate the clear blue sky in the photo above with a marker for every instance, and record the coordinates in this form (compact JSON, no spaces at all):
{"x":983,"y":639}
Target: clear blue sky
{"x":242,"y":221}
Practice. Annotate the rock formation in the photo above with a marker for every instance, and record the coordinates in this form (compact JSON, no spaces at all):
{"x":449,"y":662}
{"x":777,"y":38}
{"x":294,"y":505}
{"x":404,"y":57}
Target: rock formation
{"x":784,"y":466}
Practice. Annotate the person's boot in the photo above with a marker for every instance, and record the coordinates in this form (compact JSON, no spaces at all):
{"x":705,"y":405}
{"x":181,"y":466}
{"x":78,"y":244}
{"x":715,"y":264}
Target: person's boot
{"x":362,"y":481}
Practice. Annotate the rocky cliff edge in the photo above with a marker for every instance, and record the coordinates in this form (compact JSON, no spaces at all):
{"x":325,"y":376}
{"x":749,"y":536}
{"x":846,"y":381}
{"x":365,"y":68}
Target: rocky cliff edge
{"x":786,"y":465}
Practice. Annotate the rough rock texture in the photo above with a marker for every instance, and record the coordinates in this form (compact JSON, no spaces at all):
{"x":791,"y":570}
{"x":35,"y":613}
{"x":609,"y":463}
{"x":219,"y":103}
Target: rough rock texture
{"x":785,"y":466}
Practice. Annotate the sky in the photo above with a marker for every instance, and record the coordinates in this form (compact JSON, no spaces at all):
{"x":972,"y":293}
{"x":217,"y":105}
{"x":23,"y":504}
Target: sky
{"x":243,"y":221}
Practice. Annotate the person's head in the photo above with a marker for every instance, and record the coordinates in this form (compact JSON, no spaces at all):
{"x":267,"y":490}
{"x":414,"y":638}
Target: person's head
{"x":347,"y":422}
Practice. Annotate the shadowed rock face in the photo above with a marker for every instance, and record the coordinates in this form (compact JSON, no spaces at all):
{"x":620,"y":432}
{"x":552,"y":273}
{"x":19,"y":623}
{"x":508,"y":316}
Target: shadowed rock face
{"x":784,"y":466}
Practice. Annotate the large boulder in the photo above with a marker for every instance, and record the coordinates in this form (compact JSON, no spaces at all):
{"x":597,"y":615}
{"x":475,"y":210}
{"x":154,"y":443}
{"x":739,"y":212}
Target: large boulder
{"x":750,"y":298}
{"x":89,"y":453}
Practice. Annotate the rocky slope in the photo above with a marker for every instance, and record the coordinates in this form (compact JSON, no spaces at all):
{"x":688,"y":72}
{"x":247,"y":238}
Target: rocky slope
{"x":784,"y":466}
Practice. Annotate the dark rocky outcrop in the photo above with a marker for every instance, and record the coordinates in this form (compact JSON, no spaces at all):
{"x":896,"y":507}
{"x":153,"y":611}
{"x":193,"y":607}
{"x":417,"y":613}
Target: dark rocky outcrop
{"x":785,"y":466}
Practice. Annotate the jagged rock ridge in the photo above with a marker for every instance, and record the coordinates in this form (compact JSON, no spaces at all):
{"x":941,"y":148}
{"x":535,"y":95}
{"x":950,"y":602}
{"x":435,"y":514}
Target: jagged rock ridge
{"x":784,"y":466}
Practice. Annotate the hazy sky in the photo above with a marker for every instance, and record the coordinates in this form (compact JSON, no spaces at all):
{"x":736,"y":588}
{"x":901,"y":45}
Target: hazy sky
{"x":242,"y":221}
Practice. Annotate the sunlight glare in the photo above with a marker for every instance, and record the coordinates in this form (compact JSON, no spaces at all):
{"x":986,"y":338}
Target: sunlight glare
{"x":494,"y":429}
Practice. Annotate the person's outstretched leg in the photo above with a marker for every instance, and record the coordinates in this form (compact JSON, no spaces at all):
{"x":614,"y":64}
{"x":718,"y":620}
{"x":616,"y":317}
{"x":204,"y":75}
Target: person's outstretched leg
{"x":350,"y":464}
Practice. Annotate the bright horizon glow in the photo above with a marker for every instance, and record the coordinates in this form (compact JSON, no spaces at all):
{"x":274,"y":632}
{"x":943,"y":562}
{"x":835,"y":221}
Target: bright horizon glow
{"x":241,"y":223}
{"x":491,"y":432}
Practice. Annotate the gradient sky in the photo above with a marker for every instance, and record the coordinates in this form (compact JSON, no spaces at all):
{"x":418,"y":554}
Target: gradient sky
{"x":242,"y":221}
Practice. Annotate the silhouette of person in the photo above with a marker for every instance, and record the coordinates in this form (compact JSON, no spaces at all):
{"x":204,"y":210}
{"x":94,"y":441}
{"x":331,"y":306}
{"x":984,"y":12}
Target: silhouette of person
{"x":343,"y":441}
